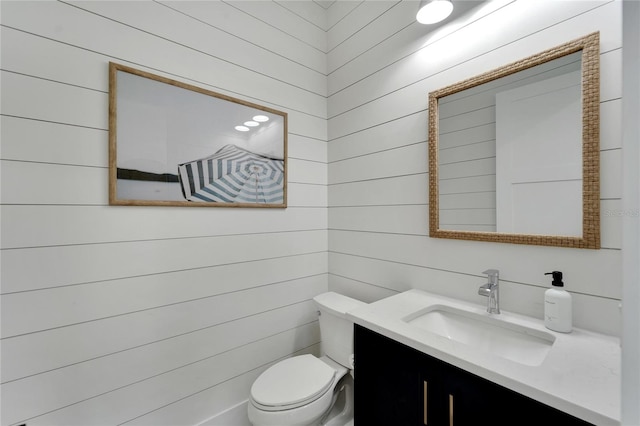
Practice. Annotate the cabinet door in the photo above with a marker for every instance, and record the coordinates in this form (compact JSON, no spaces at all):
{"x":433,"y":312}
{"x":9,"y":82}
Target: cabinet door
{"x":434,"y":398}
{"x":468,"y":399}
{"x":387,"y":382}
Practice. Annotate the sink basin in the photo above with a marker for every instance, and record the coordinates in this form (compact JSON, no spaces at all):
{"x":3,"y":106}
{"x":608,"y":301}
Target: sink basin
{"x":485,"y":333}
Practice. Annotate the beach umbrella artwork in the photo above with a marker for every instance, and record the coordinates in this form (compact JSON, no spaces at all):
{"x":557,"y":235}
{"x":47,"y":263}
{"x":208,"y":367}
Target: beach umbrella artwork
{"x":233,"y":175}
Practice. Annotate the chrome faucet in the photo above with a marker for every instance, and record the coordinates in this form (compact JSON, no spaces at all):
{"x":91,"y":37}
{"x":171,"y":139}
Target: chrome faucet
{"x":491,"y":290}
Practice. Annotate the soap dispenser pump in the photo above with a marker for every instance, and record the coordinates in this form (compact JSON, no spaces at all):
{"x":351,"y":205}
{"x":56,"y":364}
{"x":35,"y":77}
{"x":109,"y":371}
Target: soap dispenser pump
{"x":557,"y":305}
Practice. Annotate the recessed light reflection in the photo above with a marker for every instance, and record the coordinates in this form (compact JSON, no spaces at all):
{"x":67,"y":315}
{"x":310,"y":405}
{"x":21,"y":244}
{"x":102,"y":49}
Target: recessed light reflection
{"x":242,"y":128}
{"x":261,"y":118}
{"x":251,"y":123}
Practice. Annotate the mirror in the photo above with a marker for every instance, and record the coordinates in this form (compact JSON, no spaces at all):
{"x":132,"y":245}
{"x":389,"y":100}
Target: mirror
{"x":514,"y":153}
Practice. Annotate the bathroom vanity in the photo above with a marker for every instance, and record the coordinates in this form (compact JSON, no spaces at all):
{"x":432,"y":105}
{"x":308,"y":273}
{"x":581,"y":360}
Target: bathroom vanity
{"x":422,"y":390}
{"x":423,"y":359}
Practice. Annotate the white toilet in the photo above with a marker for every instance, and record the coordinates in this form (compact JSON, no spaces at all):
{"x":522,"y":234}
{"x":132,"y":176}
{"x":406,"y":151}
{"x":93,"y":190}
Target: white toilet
{"x":309,"y":391}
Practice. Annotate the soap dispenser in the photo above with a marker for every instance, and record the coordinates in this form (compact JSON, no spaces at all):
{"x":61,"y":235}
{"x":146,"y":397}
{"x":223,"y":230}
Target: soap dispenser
{"x":557,"y":305}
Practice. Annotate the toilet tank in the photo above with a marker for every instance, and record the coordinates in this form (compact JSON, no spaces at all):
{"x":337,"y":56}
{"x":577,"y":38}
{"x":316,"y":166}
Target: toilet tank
{"x":336,"y":330}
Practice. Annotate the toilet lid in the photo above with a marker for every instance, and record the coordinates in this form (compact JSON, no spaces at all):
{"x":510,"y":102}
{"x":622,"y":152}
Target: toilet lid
{"x":293,"y":381}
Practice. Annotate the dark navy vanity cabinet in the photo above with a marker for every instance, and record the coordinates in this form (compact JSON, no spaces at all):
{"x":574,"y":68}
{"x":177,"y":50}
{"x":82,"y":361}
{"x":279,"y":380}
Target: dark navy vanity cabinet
{"x":400,"y":386}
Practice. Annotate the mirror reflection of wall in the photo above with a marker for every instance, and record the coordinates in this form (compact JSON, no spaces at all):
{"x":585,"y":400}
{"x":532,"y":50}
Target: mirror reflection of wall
{"x":510,"y":153}
{"x":539,"y":157}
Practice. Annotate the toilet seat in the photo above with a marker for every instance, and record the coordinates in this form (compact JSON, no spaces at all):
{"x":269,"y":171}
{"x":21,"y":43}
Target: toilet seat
{"x":292,"y":383}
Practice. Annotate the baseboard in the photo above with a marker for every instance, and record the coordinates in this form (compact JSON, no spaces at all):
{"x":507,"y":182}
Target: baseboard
{"x":234,"y":416}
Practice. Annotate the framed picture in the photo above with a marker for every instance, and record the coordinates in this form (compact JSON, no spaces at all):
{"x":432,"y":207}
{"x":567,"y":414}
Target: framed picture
{"x":174,"y":144}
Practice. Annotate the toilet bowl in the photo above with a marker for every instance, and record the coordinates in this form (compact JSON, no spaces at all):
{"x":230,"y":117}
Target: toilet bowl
{"x":298,"y":391}
{"x":305,"y":390}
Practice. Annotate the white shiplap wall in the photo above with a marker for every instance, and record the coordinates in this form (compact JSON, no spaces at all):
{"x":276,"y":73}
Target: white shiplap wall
{"x":149,"y":315}
{"x":378,"y":193}
{"x":153,"y":316}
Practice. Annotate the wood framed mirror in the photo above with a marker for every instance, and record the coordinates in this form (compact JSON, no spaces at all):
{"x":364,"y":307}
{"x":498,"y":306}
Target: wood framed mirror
{"x":514,"y":153}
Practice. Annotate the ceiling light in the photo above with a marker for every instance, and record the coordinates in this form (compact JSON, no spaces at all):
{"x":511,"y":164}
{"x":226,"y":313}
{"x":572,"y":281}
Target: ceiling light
{"x":432,"y":11}
{"x":261,"y":118}
{"x":251,"y":123}
{"x":242,"y":128}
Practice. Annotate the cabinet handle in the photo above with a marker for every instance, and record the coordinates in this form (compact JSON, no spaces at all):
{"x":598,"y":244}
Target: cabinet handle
{"x":424,"y":402}
{"x":450,"y":410}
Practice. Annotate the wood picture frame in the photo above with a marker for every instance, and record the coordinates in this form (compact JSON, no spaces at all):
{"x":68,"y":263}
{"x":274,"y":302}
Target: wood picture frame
{"x":175,"y":144}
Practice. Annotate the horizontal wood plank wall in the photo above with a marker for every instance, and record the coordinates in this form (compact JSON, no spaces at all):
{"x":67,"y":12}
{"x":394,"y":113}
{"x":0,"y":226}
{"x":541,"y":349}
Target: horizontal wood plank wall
{"x":378,"y":184}
{"x":150,"y":315}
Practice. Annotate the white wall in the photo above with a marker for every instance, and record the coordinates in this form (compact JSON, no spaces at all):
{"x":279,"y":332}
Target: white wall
{"x":378,"y":193}
{"x":378,"y":210}
{"x":150,"y":315}
{"x":631,"y":210}
{"x":166,"y":315}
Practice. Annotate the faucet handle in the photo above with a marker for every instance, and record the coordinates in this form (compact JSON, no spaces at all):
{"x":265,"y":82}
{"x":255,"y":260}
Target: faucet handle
{"x":492,"y":272}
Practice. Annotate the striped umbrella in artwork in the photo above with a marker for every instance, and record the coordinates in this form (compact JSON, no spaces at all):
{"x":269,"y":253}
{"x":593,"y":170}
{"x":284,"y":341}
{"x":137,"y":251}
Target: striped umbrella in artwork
{"x":233,"y":175}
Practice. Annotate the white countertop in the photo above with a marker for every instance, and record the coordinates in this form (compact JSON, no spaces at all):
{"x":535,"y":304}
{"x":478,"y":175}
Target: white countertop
{"x":580,"y":375}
